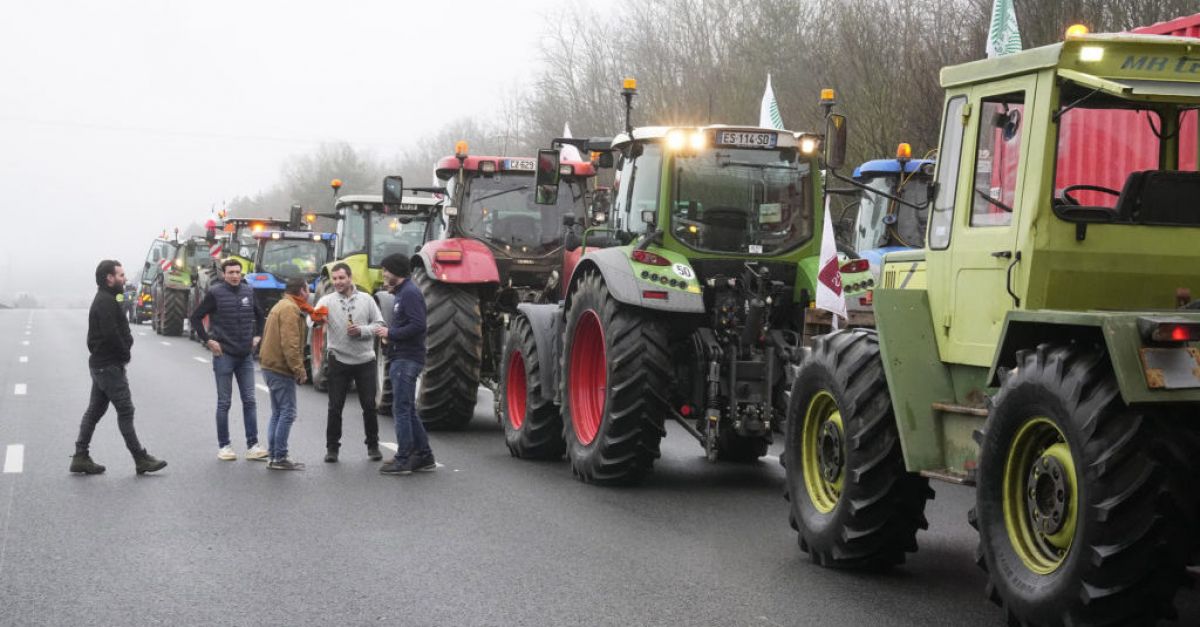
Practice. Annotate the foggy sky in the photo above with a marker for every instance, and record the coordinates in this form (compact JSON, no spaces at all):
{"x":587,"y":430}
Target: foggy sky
{"x":120,"y":119}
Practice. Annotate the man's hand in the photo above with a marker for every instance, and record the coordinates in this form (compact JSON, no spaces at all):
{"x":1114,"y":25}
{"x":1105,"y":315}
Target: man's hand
{"x":301,"y":378}
{"x":254,"y":342}
{"x":215,"y":347}
{"x":381,"y":331}
{"x":353,"y":330}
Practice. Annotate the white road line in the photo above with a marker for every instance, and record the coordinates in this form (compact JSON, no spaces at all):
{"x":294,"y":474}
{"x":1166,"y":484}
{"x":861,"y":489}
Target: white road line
{"x":14,"y":459}
{"x":166,"y":343}
{"x":19,"y":389}
{"x":28,"y":332}
{"x":24,"y":342}
{"x":23,"y":359}
{"x":262,"y":387}
{"x":201,"y":360}
{"x":142,"y":333}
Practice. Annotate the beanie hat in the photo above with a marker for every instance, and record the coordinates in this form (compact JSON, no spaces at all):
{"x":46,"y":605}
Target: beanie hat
{"x":397,"y":264}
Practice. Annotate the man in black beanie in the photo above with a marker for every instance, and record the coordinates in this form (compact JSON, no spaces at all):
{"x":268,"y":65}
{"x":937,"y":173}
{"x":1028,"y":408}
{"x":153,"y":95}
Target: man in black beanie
{"x":406,"y":357}
{"x":109,"y":341}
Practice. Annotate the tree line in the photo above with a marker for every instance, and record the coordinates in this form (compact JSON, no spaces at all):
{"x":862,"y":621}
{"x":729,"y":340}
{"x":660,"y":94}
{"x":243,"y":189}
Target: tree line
{"x":706,"y":61}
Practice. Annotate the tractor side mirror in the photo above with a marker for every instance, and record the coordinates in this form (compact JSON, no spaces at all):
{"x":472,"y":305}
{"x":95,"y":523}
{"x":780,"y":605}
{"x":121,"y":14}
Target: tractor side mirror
{"x":648,"y":216}
{"x":295,"y":217}
{"x":393,"y":191}
{"x":605,"y":160}
{"x":835,"y":141}
{"x":547,"y":177}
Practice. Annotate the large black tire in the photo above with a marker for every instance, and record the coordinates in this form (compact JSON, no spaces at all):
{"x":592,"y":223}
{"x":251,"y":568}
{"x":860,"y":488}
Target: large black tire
{"x":852,"y":502}
{"x":174,"y":312}
{"x":532,"y":425}
{"x":453,"y":354}
{"x":1126,"y":516}
{"x":613,"y":436}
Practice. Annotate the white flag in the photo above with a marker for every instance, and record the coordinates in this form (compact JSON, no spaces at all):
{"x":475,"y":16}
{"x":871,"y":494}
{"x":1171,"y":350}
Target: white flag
{"x":1003,"y":37}
{"x":768,"y":114}
{"x":568,"y":152}
{"x":829,"y":276}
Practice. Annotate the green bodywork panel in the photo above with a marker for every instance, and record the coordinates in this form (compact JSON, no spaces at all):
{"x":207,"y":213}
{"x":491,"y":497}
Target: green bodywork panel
{"x":366,"y":278}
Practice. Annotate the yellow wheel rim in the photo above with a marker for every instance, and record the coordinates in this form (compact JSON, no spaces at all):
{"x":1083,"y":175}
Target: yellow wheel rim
{"x":1040,"y":496}
{"x":823,"y":452}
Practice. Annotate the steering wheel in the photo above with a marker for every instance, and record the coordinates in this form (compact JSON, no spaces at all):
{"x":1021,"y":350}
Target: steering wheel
{"x":1066,"y":193}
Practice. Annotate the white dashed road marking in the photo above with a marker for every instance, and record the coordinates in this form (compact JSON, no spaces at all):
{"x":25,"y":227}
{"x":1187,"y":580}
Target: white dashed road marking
{"x":166,"y":343}
{"x":201,"y":360}
{"x":142,"y":333}
{"x":23,"y":359}
{"x":19,"y":389}
{"x":14,"y":459}
{"x":24,"y":342}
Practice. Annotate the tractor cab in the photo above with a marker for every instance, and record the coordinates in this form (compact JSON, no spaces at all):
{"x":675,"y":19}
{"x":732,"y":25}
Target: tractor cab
{"x":239,"y":241}
{"x":283,"y":255}
{"x":368,"y":231}
{"x":158,"y":259}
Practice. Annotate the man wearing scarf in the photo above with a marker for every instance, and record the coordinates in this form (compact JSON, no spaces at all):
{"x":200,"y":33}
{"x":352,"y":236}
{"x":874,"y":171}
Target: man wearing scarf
{"x":282,"y":357}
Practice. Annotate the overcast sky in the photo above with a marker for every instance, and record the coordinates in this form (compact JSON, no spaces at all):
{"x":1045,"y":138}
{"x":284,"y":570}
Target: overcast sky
{"x":119,"y":119}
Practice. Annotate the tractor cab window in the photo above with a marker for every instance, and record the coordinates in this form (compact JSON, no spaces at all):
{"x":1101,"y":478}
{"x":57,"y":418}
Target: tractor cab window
{"x":245,"y":244}
{"x":500,"y":210}
{"x":997,"y":156}
{"x":289,"y":258}
{"x":1135,"y":159}
{"x":635,"y":188}
{"x":947,"y":174}
{"x":352,"y":231}
{"x":436,"y":228}
{"x":198,"y":255}
{"x":883,"y":222}
{"x":737,"y":200}
{"x":394,"y":234}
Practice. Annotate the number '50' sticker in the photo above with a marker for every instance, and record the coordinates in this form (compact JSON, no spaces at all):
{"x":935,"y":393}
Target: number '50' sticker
{"x":683,"y":271}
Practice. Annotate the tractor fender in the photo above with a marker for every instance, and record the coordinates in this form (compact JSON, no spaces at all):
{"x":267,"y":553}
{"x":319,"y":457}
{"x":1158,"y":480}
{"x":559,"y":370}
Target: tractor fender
{"x":477,"y":264}
{"x":385,"y":300}
{"x":614,"y":266}
{"x":547,"y":324}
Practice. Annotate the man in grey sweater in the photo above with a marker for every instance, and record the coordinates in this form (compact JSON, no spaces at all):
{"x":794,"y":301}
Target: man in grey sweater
{"x":350,"y":335}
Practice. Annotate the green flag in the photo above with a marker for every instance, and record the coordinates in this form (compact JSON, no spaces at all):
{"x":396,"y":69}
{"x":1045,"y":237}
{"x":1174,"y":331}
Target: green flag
{"x":1003,"y":37}
{"x":768,"y":115}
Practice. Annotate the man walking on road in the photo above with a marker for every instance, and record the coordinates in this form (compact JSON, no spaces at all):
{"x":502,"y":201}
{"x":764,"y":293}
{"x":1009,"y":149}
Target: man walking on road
{"x":350,"y":335}
{"x":282,"y":357}
{"x":406,"y":352}
{"x":109,"y":341}
{"x":235,"y":324}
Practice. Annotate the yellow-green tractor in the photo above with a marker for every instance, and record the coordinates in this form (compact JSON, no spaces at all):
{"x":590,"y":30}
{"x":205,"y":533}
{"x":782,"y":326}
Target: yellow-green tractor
{"x":1035,"y":348}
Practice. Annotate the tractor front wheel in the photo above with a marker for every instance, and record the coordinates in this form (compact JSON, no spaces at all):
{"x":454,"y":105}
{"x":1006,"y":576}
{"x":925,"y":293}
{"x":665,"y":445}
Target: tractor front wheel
{"x":174,"y":311}
{"x":852,"y":500}
{"x":532,"y":424}
{"x":615,"y":374}
{"x":453,"y":355}
{"x":1082,"y":515}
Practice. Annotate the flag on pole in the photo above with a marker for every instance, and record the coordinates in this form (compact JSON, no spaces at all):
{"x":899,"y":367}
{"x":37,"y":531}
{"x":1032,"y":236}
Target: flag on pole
{"x":1003,"y":37}
{"x":568,"y":152}
{"x":829,"y":276}
{"x":768,"y":115}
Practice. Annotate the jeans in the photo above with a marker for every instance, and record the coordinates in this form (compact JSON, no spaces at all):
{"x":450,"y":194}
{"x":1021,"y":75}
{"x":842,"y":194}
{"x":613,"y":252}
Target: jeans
{"x":338,"y":378}
{"x":410,"y":432}
{"x":109,"y":385}
{"x":283,"y":412}
{"x":226,"y":367}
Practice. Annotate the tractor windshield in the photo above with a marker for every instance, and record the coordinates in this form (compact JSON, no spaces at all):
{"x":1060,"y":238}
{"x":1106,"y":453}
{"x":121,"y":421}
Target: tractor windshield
{"x":392,"y":233}
{"x":1137,"y":160}
{"x":883,"y":222}
{"x":742,"y":201}
{"x":288,"y":258}
{"x":499,"y":209}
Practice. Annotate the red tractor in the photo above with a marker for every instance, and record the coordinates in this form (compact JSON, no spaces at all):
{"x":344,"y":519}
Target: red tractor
{"x":489,"y":248}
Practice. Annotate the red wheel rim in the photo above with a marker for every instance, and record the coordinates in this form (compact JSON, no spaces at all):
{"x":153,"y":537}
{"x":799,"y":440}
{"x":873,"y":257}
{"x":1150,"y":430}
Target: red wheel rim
{"x":588,"y":377}
{"x":318,"y":351}
{"x":514,"y":390}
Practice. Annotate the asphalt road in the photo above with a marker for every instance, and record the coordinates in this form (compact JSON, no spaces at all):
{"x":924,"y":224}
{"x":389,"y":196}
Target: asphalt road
{"x":486,"y":540}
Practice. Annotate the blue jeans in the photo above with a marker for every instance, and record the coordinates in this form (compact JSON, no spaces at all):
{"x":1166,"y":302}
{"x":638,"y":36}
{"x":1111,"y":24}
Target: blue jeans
{"x":226,"y":367}
{"x":283,"y":412}
{"x":410,"y":431}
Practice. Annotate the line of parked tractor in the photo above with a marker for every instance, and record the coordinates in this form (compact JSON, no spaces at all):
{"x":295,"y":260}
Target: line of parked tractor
{"x":1020,"y":317}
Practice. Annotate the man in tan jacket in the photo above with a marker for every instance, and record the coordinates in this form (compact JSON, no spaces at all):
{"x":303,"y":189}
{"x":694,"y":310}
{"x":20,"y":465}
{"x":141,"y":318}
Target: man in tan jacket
{"x":281,"y":355}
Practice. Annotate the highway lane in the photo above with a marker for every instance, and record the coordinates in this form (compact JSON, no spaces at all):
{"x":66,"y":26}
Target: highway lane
{"x":488,"y":539}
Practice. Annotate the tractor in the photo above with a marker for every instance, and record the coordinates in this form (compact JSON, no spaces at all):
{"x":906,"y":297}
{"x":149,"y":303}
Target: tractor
{"x":1038,"y":347}
{"x":283,"y":255}
{"x":171,"y":289}
{"x":367,"y":231}
{"x":686,"y":304}
{"x":159,"y":258}
{"x":486,"y":251}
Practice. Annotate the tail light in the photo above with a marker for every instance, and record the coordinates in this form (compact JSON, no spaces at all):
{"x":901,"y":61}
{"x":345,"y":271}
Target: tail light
{"x":649,"y":258}
{"x":448,"y":256}
{"x":1160,"y":330}
{"x":654,"y":295}
{"x":855,"y":266}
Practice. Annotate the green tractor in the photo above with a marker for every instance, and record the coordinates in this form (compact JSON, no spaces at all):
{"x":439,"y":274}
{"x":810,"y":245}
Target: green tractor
{"x":171,"y":288}
{"x":1038,"y":347}
{"x":687,"y":303}
{"x":158,"y":259}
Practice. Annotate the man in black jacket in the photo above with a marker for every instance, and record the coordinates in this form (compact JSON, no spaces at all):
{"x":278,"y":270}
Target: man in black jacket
{"x":109,"y":341}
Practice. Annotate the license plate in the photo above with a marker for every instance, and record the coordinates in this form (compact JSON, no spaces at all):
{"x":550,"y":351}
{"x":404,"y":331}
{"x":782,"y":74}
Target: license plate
{"x":520,"y":164}
{"x":743,"y":139}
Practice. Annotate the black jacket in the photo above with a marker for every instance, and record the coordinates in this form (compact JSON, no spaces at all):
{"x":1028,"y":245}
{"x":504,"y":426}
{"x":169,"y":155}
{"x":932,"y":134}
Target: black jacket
{"x":406,"y":334}
{"x":108,"y":338}
{"x":234,"y":318}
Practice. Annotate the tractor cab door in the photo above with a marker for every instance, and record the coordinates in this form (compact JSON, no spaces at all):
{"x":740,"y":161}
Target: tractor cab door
{"x":978,"y":235}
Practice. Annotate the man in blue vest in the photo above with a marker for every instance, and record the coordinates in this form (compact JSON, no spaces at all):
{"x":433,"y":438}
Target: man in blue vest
{"x":235,"y":325}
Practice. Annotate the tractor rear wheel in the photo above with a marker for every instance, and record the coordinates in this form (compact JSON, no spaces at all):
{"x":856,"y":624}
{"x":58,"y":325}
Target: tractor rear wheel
{"x":532,"y":424}
{"x":615,"y":373}
{"x":1083,"y":512}
{"x":450,"y":380}
{"x":174,"y":311}
{"x":852,"y":500}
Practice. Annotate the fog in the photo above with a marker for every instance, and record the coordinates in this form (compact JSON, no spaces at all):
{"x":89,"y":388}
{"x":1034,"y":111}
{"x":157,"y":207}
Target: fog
{"x":121,"y":119}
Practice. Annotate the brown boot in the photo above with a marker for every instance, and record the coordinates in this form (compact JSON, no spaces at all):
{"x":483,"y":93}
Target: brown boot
{"x":82,"y":463}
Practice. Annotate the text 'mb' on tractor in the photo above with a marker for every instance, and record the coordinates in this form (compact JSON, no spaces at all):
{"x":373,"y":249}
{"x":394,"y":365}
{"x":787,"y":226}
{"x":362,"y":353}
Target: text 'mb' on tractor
{"x":1042,"y":346}
{"x":489,"y":248}
{"x":693,"y":315}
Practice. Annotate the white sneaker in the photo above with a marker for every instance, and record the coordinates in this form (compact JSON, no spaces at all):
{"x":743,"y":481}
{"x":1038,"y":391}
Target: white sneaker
{"x":226,"y":454}
{"x":257,"y":453}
